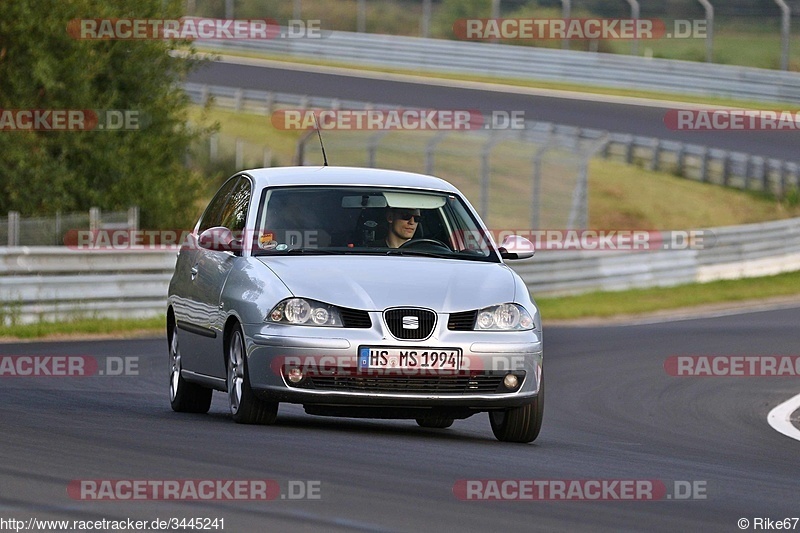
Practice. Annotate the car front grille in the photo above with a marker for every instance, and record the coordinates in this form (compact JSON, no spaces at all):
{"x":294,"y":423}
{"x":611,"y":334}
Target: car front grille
{"x":452,"y":384}
{"x":410,"y":323}
{"x":354,"y":318}
{"x":464,"y":321}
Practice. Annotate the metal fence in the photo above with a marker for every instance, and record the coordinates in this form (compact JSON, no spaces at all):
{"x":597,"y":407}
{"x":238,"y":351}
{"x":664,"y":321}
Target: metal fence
{"x":538,"y":175}
{"x":528,"y":63}
{"x":732,"y":252}
{"x":53,"y":230}
{"x":57,"y":283}
{"x":613,"y":9}
{"x":232,"y":153}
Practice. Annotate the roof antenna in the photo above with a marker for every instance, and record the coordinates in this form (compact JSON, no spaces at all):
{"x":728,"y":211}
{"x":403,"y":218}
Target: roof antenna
{"x":316,"y":126}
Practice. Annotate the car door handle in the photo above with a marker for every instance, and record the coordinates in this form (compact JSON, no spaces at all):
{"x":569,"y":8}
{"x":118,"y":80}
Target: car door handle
{"x":194,"y":272}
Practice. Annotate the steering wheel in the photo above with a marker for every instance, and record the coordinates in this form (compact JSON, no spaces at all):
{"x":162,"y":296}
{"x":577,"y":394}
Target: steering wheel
{"x":431,"y":242}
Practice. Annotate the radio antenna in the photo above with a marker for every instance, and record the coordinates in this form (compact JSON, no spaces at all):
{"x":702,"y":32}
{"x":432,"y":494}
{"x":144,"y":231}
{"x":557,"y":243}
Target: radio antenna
{"x":316,"y":126}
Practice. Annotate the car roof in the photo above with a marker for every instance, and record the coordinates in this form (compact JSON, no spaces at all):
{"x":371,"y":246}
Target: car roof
{"x":352,"y":176}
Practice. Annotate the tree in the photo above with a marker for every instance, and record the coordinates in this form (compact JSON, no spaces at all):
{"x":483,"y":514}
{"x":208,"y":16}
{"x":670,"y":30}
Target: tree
{"x":42,"y":67}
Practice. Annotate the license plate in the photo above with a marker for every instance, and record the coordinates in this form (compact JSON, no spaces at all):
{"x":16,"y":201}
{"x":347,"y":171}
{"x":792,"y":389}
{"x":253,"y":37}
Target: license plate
{"x":409,"y":359}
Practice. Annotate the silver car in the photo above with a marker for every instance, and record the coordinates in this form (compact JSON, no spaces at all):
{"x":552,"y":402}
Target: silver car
{"x":291,"y":289}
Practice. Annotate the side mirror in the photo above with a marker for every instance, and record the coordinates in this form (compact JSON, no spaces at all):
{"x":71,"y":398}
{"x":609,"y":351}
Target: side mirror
{"x":516,"y":247}
{"x":219,"y":239}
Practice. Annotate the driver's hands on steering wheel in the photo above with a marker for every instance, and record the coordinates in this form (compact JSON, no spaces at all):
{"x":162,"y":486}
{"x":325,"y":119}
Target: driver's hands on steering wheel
{"x":431,"y":242}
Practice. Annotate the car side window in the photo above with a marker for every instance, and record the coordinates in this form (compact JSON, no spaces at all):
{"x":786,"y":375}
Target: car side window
{"x":213,"y":215}
{"x":234,"y":212}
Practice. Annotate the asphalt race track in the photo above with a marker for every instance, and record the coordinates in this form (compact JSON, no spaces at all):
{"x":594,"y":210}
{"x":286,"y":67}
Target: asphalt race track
{"x":612,"y":413}
{"x":614,"y":117}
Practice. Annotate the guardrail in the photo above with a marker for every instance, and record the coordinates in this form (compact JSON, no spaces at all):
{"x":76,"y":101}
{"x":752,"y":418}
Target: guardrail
{"x":711,"y":165}
{"x":58,"y":283}
{"x":54,"y":283}
{"x":734,"y":252}
{"x":524,"y":62}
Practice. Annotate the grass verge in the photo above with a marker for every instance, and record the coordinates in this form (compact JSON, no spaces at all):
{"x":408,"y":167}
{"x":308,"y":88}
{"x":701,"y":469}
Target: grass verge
{"x":85,"y":327}
{"x":639,"y":301}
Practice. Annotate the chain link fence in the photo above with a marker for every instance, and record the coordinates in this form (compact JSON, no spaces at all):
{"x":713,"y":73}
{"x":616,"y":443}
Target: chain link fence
{"x":229,"y":153}
{"x":52,"y":231}
{"x":539,"y":176}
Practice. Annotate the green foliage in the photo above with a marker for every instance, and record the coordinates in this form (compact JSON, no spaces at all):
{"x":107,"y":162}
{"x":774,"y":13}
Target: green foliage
{"x":451,"y":10}
{"x":43,"y":67}
{"x":792,"y":197}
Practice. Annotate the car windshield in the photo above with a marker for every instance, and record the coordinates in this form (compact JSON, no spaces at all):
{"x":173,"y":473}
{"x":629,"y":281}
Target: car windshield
{"x":358,"y":220}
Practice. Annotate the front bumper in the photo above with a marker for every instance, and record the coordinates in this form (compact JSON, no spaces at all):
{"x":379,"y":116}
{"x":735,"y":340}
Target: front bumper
{"x":328,"y":360}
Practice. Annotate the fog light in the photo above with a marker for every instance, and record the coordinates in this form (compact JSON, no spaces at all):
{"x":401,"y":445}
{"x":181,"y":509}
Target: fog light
{"x":295,"y":375}
{"x":510,"y":381}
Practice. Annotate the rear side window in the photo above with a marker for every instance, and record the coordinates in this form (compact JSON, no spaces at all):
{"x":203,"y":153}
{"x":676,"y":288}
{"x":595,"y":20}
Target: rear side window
{"x":234,"y":213}
{"x":228,"y":208}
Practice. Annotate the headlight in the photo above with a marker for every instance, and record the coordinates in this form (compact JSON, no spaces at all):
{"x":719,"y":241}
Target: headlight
{"x":304,"y":312}
{"x":504,"y":317}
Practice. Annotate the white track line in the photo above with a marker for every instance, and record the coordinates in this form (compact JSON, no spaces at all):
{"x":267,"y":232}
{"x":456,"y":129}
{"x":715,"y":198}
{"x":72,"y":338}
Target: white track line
{"x":780,"y":418}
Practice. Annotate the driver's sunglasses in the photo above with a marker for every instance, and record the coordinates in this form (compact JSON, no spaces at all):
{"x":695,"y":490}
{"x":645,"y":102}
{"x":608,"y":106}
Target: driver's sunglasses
{"x":409,"y":216}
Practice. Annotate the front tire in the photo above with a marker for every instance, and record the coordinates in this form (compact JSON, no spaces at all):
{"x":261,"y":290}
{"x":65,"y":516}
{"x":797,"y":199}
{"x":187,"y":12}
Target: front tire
{"x":246,"y":407}
{"x":519,"y":424}
{"x":184,"y":397}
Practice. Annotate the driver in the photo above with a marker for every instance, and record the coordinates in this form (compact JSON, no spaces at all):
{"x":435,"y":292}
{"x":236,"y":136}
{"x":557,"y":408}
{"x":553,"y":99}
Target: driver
{"x":403,"y":224}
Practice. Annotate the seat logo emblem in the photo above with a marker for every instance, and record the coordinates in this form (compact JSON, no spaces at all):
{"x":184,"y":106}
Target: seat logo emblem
{"x":410,"y":322}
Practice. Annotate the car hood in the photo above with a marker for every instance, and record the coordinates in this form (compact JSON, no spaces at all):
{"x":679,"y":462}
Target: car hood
{"x":374,"y":283}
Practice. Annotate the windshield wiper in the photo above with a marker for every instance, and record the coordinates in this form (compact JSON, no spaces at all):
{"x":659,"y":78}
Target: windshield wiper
{"x":310,"y":251}
{"x":395,"y":251}
{"x":297,"y":251}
